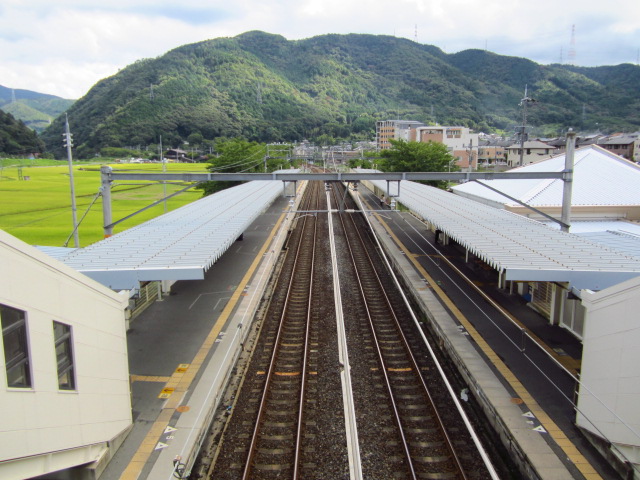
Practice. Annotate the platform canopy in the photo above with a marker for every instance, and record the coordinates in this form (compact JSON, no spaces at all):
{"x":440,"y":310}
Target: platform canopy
{"x":520,"y":248}
{"x":180,"y":245}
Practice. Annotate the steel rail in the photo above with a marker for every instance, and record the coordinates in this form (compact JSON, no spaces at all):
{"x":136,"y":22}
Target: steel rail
{"x":405,"y":445}
{"x":272,"y":363}
{"x":296,"y":462}
{"x":415,"y":365}
{"x":411,"y":358}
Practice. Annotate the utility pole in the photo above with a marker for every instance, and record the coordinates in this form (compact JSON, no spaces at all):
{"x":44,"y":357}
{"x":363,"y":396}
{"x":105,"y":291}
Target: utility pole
{"x":68,"y":142}
{"x":523,"y":103}
{"x":164,"y":182}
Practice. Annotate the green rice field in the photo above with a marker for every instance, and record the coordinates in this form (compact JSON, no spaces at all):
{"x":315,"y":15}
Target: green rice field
{"x":35,"y":199}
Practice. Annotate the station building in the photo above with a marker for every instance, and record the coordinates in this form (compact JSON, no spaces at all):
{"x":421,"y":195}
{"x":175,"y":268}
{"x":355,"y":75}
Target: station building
{"x":610,"y":380}
{"x":64,"y":388}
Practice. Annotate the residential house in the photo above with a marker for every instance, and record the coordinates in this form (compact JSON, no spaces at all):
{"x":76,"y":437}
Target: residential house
{"x":627,"y":146}
{"x":530,"y":151}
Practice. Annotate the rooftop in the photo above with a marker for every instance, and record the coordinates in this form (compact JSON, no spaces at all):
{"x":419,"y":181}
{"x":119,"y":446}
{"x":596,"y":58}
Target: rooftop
{"x":520,"y":248}
{"x":180,"y":245}
{"x":599,"y":178}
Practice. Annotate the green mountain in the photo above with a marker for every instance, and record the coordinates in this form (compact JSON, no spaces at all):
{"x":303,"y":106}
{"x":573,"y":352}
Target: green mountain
{"x":36,"y":110}
{"x":16,"y":138}
{"x":266,"y":88}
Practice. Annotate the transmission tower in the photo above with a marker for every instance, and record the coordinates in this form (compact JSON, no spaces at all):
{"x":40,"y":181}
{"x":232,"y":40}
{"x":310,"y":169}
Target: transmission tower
{"x":416,"y":34}
{"x":151,"y":94}
{"x":13,"y":96}
{"x":572,"y":46}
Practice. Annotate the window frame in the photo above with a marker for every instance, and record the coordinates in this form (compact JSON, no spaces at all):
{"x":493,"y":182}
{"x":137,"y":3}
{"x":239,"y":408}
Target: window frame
{"x":65,"y":361}
{"x":23,"y":359}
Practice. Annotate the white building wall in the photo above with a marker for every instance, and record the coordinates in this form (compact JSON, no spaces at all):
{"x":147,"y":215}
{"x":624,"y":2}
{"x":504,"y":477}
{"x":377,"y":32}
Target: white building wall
{"x":44,"y":419}
{"x":609,"y":396}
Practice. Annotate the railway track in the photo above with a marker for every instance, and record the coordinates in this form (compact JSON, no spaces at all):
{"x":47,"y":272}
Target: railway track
{"x":277,"y":437}
{"x":417,"y":442}
{"x":287,"y":420}
{"x":284,"y":413}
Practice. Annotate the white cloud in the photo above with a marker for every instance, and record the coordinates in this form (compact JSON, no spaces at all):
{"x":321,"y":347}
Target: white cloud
{"x":65,"y":47}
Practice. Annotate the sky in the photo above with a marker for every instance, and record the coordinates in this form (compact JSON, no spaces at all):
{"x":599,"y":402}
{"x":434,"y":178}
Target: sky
{"x":64,"y":47}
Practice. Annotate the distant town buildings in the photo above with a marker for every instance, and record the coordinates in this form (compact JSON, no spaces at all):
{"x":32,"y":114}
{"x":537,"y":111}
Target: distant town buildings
{"x":394,"y":130}
{"x":461,"y":142}
{"x":529,"y":152}
{"x":477,"y":149}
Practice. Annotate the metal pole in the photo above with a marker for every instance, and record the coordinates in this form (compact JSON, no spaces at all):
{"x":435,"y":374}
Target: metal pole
{"x":164,"y":170}
{"x":568,"y":181}
{"x":526,"y":100}
{"x":67,"y":133}
{"x":105,"y":172}
{"x":524,"y":126}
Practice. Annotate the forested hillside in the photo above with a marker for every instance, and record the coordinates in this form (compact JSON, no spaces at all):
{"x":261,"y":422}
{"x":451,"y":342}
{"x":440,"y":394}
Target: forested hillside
{"x":36,"y":110}
{"x":16,"y":138}
{"x":266,"y":88}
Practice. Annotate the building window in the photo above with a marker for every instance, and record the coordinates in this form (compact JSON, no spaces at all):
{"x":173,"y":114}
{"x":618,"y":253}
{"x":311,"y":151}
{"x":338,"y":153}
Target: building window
{"x":16,"y":348}
{"x":64,"y":356}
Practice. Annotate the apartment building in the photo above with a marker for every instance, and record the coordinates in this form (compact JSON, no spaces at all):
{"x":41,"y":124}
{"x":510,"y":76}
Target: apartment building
{"x":394,"y":130}
{"x":461,"y":142}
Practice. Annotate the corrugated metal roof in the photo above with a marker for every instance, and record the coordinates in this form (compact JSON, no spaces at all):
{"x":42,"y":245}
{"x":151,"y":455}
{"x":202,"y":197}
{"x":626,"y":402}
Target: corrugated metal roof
{"x":180,"y":245}
{"x":618,"y":235}
{"x":600,"y":178}
{"x":626,"y":243}
{"x":522,"y":248}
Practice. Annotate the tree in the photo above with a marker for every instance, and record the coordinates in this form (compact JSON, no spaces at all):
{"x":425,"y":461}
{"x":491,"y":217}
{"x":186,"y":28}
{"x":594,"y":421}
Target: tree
{"x":234,"y":156}
{"x":406,"y":156}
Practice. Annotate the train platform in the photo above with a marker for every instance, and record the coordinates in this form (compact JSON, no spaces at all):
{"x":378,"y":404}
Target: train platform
{"x":521,"y":370}
{"x":182,"y":348}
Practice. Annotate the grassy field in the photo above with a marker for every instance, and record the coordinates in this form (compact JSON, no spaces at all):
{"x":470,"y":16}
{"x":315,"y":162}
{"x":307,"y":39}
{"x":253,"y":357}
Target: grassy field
{"x":35,"y":200}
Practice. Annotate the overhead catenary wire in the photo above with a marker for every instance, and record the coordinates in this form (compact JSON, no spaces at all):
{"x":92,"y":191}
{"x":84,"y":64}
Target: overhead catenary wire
{"x":242,"y":162}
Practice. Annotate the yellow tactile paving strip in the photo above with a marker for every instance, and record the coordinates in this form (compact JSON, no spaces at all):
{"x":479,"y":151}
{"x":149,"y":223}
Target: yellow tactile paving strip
{"x":148,"y":378}
{"x":185,"y":373}
{"x":571,"y":364}
{"x":549,"y":425}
